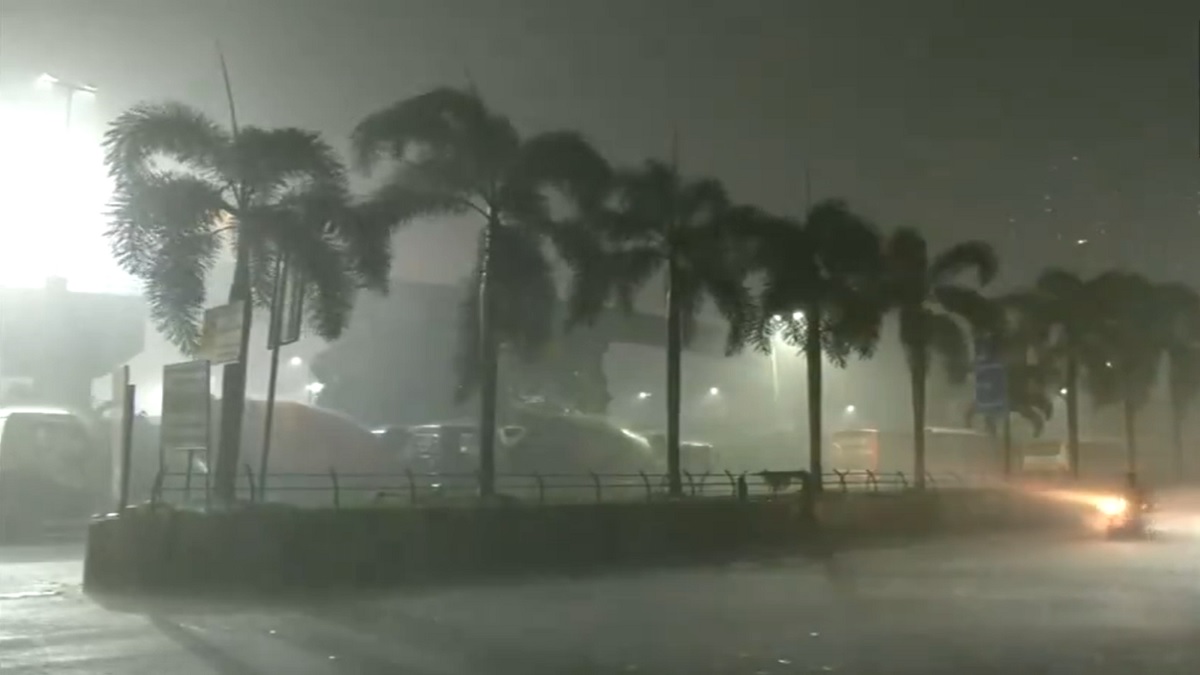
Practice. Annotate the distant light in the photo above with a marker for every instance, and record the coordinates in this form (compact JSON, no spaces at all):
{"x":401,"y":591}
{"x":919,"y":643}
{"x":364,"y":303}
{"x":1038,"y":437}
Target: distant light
{"x":1081,"y":242}
{"x":46,"y":81}
{"x":850,"y":409}
{"x":1063,"y":391}
{"x":797,"y":315}
{"x":295,"y":361}
{"x":1108,"y":364}
{"x":643,"y":395}
{"x":713,"y":391}
{"x":314,"y":387}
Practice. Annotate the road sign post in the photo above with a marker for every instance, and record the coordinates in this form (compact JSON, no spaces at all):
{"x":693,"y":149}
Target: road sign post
{"x":991,"y":386}
{"x":221,"y":337}
{"x":287,"y":306}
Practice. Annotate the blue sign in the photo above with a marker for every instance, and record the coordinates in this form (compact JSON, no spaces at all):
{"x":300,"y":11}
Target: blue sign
{"x":991,"y":383}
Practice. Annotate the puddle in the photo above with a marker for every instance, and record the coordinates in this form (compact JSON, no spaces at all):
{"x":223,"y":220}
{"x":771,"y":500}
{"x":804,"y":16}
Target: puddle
{"x":25,"y":595}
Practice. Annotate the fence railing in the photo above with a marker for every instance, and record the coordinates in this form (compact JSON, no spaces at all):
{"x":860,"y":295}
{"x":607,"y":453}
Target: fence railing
{"x":333,"y":488}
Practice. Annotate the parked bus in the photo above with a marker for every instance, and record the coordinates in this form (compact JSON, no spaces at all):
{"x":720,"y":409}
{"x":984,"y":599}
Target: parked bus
{"x":958,"y":451}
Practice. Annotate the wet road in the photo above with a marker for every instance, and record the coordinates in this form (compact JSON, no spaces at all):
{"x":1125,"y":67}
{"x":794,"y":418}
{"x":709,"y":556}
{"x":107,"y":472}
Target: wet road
{"x":1002,"y":605}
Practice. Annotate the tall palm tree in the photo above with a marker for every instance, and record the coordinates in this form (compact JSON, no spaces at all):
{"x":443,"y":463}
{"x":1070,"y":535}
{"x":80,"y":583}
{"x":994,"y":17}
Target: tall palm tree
{"x":449,"y":155}
{"x":1060,"y":304}
{"x":187,"y":189}
{"x":659,"y":221}
{"x":1180,"y":307}
{"x":821,"y":296}
{"x":930,"y":306}
{"x":1124,"y":366}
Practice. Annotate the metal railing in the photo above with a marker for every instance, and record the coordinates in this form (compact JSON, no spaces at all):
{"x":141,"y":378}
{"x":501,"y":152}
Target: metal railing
{"x":333,"y":488}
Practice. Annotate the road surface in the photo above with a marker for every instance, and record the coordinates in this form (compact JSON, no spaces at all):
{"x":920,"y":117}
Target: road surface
{"x":1001,"y":605}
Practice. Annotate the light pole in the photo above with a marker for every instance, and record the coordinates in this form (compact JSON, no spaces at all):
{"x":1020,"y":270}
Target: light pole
{"x":69,"y":87}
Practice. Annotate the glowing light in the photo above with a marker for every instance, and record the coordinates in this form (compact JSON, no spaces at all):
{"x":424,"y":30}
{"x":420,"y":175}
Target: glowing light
{"x":1112,"y":506}
{"x":314,"y":387}
{"x":850,"y":409}
{"x":714,"y":391}
{"x":797,"y":315}
{"x":46,"y":81}
{"x":643,"y":395}
{"x":295,"y":362}
{"x":1063,"y":391}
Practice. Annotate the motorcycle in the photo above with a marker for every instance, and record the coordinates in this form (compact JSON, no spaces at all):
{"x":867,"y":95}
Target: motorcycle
{"x":1125,"y":519}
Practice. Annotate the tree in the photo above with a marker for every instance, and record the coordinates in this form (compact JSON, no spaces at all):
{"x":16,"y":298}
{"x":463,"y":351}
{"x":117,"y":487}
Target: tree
{"x":660,"y":221}
{"x":930,"y":307}
{"x":1180,"y":320}
{"x":1060,"y":306}
{"x":451,"y":155}
{"x":1021,"y":338}
{"x":821,"y":296}
{"x":1125,"y":364}
{"x":186,"y":189}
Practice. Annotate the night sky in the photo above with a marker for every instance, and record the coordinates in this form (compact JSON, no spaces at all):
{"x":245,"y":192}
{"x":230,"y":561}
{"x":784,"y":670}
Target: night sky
{"x":1033,"y":124}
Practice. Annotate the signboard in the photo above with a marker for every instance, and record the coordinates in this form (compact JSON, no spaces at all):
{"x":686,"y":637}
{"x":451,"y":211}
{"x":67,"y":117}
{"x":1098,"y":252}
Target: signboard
{"x":186,"y":406}
{"x":221,"y":337}
{"x":991,"y":386}
{"x":287,"y":313}
{"x":117,"y":440}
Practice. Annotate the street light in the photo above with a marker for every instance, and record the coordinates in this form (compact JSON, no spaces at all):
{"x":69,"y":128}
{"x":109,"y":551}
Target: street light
{"x":314,"y":389}
{"x":713,"y":391}
{"x":850,"y":409}
{"x":71,"y":88}
{"x":643,"y":395}
{"x":295,"y":362}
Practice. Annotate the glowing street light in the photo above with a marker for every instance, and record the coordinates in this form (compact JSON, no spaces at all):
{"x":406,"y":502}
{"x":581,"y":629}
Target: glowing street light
{"x":1063,"y":391}
{"x":643,"y":395}
{"x":295,"y":362}
{"x":850,"y":409}
{"x":714,"y":391}
{"x":314,"y":389}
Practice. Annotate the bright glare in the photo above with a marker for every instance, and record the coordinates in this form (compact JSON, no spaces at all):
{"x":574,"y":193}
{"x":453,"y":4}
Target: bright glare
{"x":850,"y":409}
{"x":797,"y":315}
{"x":643,"y":395}
{"x":1063,"y":391}
{"x":1112,"y":506}
{"x":295,"y":361}
{"x":314,"y":387}
{"x":713,"y":391}
{"x":55,"y":195}
{"x":46,"y":81}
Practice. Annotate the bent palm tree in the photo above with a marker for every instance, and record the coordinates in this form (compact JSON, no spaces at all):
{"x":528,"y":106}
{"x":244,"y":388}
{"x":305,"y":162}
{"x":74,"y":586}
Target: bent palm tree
{"x":1124,"y":367}
{"x":1060,"y":304}
{"x":451,"y":155}
{"x":821,"y":295}
{"x":661,"y":221}
{"x":1180,"y":308}
{"x":929,"y":305}
{"x":186,"y":189}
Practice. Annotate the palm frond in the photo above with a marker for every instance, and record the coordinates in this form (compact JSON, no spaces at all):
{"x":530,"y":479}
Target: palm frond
{"x":172,"y":132}
{"x":983,"y":315}
{"x":906,"y":258}
{"x":175,"y":284}
{"x":565,"y":161}
{"x":1059,"y":283}
{"x":964,"y":256}
{"x":948,"y":341}
{"x":268,"y":162}
{"x":154,"y":212}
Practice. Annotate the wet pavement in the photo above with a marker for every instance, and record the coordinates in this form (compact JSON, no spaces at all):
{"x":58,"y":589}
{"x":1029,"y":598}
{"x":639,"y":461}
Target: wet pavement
{"x":999,"y":605}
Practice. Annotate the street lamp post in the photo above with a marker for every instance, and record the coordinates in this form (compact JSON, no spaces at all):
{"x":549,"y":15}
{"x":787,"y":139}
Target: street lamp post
{"x":69,"y":87}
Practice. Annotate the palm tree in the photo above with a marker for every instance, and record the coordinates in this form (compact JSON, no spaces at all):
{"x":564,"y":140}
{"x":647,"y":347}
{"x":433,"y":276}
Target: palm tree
{"x":186,"y":189}
{"x":930,"y":305}
{"x":1061,"y":305}
{"x":821,"y":296}
{"x":451,"y":155}
{"x":1180,"y":306}
{"x":660,"y":221}
{"x":1124,"y":366}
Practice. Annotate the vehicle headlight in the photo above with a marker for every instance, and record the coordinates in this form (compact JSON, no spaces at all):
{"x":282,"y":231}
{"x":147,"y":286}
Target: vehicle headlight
{"x":1112,"y":506}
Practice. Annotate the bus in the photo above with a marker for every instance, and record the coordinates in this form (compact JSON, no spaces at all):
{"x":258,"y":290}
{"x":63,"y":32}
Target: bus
{"x":51,"y":469}
{"x":1097,"y":457}
{"x":947,"y":451}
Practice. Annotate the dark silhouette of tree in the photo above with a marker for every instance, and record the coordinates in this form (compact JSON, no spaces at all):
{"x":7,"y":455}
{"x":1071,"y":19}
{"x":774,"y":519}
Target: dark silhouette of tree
{"x":657,"y":220}
{"x":1061,"y":306}
{"x":1030,"y":375}
{"x":451,"y":155}
{"x":930,"y":307}
{"x":187,"y":189}
{"x":1179,"y":306}
{"x":821,"y":296}
{"x":1124,"y":366}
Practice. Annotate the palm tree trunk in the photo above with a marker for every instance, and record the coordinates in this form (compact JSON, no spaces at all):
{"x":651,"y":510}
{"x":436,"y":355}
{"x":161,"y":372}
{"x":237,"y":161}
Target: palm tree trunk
{"x":1073,"y":415}
{"x":674,"y":379}
{"x":919,"y":366}
{"x":489,"y":363}
{"x":233,"y":389}
{"x":1130,"y":432}
{"x":1177,"y":436}
{"x":812,"y":356}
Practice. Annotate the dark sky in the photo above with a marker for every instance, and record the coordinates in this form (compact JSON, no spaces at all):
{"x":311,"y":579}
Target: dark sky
{"x":1032,"y":124}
